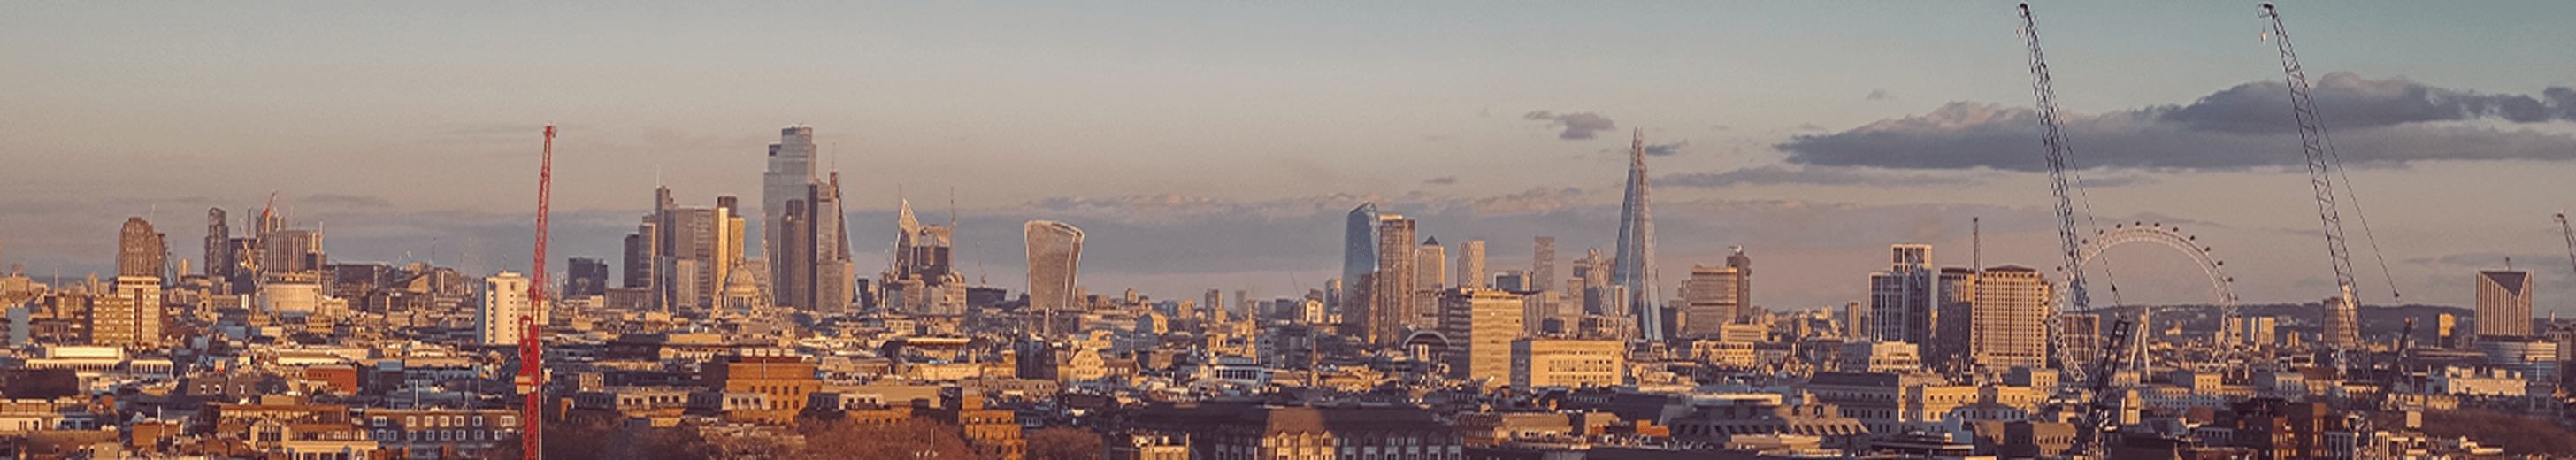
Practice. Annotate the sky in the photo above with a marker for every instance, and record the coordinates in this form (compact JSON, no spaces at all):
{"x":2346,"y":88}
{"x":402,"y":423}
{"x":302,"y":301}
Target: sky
{"x":1217,"y":144}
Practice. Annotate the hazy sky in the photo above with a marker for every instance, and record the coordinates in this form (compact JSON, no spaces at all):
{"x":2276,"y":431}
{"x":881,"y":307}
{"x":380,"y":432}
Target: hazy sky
{"x":1216,"y":144}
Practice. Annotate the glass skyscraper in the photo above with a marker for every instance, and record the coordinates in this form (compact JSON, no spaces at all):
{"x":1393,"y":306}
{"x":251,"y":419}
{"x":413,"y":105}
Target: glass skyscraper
{"x":1634,"y":267}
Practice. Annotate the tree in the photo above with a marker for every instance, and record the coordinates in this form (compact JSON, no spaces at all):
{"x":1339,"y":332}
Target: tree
{"x":911,"y":439}
{"x":581,"y":438}
{"x":1064,"y":444}
{"x":2518,"y":435}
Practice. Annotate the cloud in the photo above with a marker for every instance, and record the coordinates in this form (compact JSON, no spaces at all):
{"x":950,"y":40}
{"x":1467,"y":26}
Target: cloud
{"x":1819,"y":175}
{"x":1533,"y":201}
{"x":1579,"y":125}
{"x":2350,"y":101}
{"x":2384,"y":123}
{"x":2117,"y":181}
{"x":1665,"y":150}
{"x":1442,"y":180}
{"x":1879,"y":95}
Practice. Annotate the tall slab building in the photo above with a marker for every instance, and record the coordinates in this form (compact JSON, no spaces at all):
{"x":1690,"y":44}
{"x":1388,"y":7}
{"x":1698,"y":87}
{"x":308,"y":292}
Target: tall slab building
{"x":139,"y":249}
{"x":1055,"y":256}
{"x":682,"y":255}
{"x":1635,"y":259}
{"x":2504,"y":304}
{"x":1714,"y":297}
{"x":1431,"y":266}
{"x":1391,"y":287}
{"x":803,"y":229}
{"x":1901,"y":299}
{"x":2008,"y":322}
{"x":1471,"y":266}
{"x":1359,"y":258}
{"x":791,"y":168}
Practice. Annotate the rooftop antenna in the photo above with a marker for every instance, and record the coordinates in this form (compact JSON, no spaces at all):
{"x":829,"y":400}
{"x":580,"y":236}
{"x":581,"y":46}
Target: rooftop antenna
{"x":1977,"y":245}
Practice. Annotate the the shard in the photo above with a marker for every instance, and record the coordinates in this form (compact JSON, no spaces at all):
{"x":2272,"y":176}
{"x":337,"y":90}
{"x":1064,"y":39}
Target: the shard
{"x":1634,"y":268}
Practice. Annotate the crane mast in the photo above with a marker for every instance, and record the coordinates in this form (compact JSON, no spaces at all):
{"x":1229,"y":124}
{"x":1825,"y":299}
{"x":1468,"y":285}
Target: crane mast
{"x":2098,"y":407}
{"x":531,"y":381}
{"x":2322,"y":165}
{"x":2570,"y":232}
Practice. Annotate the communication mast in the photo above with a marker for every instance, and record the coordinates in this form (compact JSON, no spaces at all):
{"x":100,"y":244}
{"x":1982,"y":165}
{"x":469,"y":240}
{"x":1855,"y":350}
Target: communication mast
{"x":532,"y":372}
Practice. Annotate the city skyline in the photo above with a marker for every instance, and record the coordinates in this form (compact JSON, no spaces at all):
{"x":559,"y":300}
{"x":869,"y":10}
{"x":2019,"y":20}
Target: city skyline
{"x":1786,"y":174}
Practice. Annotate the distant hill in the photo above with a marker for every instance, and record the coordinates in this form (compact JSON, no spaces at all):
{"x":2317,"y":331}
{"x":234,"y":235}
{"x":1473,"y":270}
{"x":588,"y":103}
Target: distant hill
{"x":2377,"y":322}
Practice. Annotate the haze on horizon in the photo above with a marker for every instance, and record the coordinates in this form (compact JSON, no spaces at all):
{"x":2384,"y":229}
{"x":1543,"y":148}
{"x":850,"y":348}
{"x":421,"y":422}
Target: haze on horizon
{"x":1216,"y":145}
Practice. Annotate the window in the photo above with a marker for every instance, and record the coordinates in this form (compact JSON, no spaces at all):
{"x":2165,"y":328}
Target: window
{"x":478,"y":420}
{"x":411,"y":421}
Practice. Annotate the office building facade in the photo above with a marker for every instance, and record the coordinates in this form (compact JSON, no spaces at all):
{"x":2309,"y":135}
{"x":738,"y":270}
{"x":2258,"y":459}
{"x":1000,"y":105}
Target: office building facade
{"x":1901,"y":299}
{"x":1055,"y":257}
{"x":2504,"y":303}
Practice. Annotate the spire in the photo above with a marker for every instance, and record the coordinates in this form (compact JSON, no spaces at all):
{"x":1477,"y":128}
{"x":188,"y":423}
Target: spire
{"x":905,"y":221}
{"x":1431,"y":241}
{"x":1635,"y":266}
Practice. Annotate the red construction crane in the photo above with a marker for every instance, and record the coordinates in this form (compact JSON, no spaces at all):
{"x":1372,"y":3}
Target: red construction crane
{"x":532,"y":374}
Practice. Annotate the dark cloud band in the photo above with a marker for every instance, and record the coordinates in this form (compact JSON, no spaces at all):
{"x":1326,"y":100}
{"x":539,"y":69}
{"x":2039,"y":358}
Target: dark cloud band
{"x":2375,"y":122}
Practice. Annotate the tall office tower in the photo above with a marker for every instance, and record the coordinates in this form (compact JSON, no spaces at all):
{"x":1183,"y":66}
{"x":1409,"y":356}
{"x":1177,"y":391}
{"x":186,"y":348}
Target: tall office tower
{"x":683,"y":254}
{"x":2504,"y":304}
{"x":1481,"y":325}
{"x":1391,"y":303}
{"x":1900,"y":299}
{"x":2009,"y":323}
{"x":1055,"y":256}
{"x":1591,"y":283}
{"x":504,"y":300}
{"x":129,"y":316}
{"x":1956,"y":305}
{"x":219,"y":251}
{"x":791,"y":169}
{"x":646,"y":250}
{"x":1636,"y":253}
{"x":139,"y":250}
{"x":2342,"y":325}
{"x":812,"y":263}
{"x":1714,"y":297}
{"x":1471,"y":265}
{"x":290,"y":251}
{"x":585,"y":277}
{"x":922,"y":280}
{"x":1215,"y":305}
{"x":1359,"y":257}
{"x":1542,"y":274}
{"x":2446,"y":331}
{"x":1431,"y":266}
{"x":638,"y":264}
{"x":1856,"y":322}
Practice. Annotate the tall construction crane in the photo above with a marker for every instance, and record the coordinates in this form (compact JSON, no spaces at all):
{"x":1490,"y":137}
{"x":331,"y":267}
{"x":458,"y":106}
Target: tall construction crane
{"x":2097,"y":372}
{"x":2323,"y":166}
{"x":2563,"y":229}
{"x":532,"y":355}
